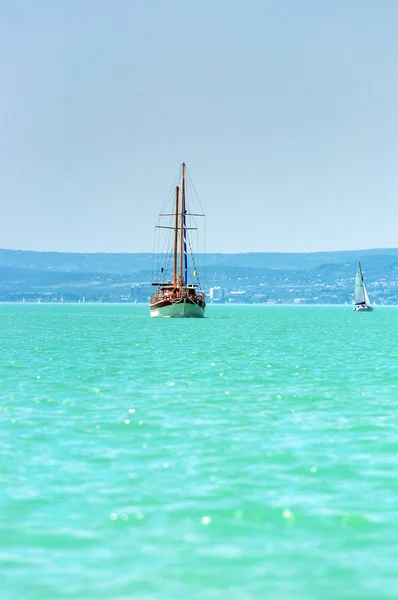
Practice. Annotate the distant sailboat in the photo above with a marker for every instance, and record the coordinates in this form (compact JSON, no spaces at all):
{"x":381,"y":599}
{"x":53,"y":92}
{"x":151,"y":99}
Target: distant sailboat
{"x":175,"y":296}
{"x":361,"y":298}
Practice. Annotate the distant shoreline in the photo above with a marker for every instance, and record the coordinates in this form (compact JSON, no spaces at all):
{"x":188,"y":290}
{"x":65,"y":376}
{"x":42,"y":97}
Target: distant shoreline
{"x":318,"y":278}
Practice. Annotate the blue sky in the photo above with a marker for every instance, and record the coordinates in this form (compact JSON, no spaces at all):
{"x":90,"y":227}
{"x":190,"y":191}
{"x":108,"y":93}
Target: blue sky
{"x":286,"y":114}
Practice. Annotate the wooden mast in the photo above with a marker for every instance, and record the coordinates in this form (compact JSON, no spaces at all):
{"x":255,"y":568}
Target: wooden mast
{"x":176,"y":238}
{"x":182,"y":224}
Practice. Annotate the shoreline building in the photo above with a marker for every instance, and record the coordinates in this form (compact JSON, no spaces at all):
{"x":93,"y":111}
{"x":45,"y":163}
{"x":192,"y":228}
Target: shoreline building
{"x":217,"y":294}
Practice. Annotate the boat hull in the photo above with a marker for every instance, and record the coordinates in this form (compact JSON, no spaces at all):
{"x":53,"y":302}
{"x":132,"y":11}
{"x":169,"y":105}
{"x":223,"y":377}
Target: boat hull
{"x":363,"y":308}
{"x":181,"y":309}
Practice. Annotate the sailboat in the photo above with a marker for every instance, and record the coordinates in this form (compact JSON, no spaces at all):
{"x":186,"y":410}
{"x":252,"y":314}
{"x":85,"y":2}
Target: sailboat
{"x":361,"y":298}
{"x":175,"y":295}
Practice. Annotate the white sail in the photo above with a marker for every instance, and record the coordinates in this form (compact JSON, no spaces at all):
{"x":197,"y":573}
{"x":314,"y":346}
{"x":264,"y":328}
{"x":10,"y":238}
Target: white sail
{"x":361,"y":295}
{"x":360,"y":291}
{"x":365,"y":293}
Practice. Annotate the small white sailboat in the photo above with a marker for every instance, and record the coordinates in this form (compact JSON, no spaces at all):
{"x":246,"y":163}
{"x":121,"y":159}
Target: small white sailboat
{"x":175,"y":296}
{"x":361,"y":298}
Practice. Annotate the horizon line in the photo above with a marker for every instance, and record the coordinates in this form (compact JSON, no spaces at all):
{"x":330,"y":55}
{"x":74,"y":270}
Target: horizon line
{"x":377,"y":249}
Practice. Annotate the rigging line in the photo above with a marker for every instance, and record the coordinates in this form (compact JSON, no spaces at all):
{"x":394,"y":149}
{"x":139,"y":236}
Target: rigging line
{"x":194,"y":264}
{"x":191,"y":220}
{"x":168,"y":254}
{"x":197,"y":245}
{"x":204,"y":252}
{"x":154,"y":254}
{"x":162,"y":252}
{"x":204,"y":224}
{"x":166,"y":238}
{"x":192,"y":254}
{"x":194,"y":189}
{"x":159,"y":255}
{"x":171,"y":191}
{"x":167,"y":269}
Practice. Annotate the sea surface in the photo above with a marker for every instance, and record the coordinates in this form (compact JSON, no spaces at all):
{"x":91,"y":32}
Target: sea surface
{"x":250,"y":455}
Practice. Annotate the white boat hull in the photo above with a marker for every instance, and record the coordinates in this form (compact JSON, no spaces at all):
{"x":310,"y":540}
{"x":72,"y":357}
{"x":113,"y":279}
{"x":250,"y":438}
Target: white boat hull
{"x":184,"y":309}
{"x":363,"y":308}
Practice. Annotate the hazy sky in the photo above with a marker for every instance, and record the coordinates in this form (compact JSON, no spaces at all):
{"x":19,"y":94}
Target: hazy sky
{"x":285,"y":111}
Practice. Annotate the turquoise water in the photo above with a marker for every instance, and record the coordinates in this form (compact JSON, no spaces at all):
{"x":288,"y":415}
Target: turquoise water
{"x":251,"y":454}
